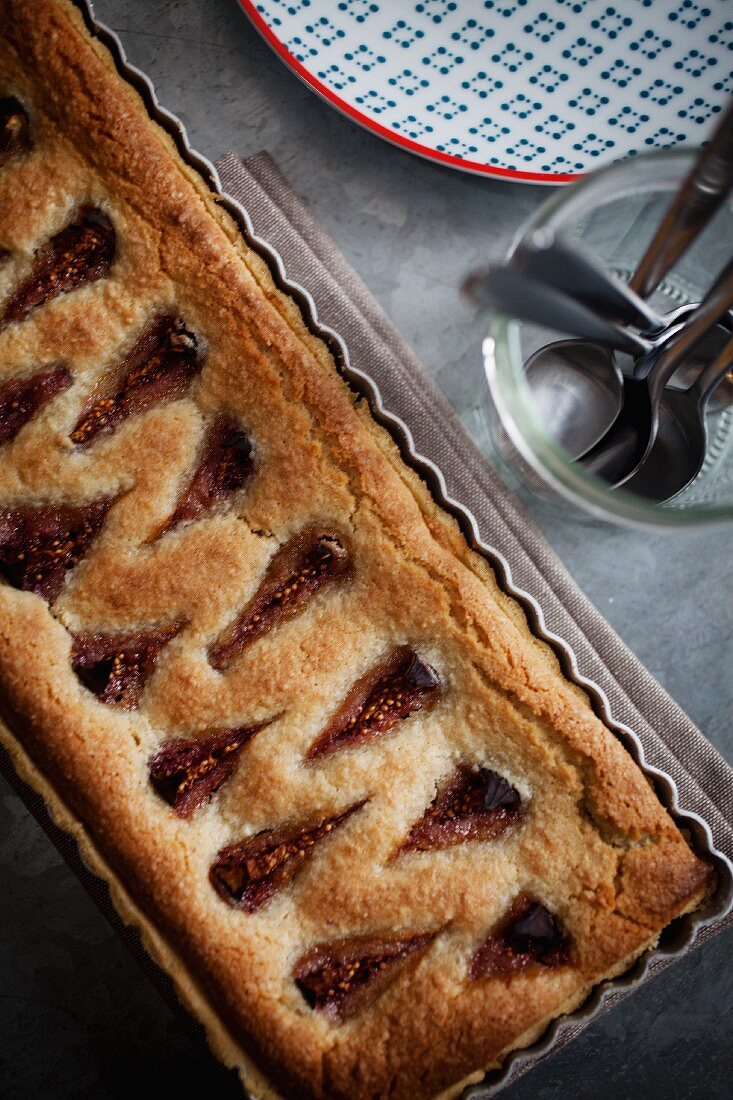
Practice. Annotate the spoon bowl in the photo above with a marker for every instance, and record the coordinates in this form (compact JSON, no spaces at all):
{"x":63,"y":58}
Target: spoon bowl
{"x":636,"y":426}
{"x":579,"y":388}
{"x":617,"y":454}
{"x":578,"y":391}
{"x":678,"y":452}
{"x":681,"y":443}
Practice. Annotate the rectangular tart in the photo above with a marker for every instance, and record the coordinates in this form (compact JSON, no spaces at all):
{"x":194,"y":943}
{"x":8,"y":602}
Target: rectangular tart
{"x":376,"y":836}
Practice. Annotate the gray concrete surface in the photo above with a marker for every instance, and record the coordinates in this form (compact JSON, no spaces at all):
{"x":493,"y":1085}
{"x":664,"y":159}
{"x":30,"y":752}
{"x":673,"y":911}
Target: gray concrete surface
{"x":77,"y":1017}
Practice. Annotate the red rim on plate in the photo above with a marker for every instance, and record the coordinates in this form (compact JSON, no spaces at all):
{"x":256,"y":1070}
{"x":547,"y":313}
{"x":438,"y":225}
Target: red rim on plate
{"x":364,"y":120}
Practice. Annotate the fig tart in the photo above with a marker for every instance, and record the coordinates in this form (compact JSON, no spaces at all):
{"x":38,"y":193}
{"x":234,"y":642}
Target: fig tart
{"x":376,"y":836}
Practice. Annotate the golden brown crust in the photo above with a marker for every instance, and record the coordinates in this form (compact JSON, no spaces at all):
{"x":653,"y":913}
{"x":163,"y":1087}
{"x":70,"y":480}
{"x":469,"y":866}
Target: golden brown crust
{"x":595,"y":845}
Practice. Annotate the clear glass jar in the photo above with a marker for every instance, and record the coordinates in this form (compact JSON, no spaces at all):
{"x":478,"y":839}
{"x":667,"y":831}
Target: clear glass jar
{"x":612,"y":213}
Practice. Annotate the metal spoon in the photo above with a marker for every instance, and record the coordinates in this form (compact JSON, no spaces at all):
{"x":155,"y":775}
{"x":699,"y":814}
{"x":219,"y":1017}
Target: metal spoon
{"x":532,"y":300}
{"x":625,"y":446}
{"x":578,"y":416}
{"x":543,"y":255}
{"x":580,"y":388}
{"x":700,"y":196}
{"x":577,"y":387}
{"x":681,"y":443}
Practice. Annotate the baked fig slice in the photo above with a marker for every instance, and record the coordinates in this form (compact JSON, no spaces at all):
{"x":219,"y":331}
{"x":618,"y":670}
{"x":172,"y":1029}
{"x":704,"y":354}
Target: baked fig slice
{"x":474,"y":804}
{"x":529,"y":936}
{"x":247,"y":874}
{"x":307,"y":563}
{"x":22,"y":398}
{"x":116,"y":667}
{"x":398,"y":687}
{"x":80,"y":254}
{"x":159,"y":367}
{"x":40,"y":545}
{"x":225,"y":466}
{"x":187,"y":771}
{"x":341,"y":978}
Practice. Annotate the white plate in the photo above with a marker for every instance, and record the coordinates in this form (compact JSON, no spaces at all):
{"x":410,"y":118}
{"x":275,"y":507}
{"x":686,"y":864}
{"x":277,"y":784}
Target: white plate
{"x":535,"y":90}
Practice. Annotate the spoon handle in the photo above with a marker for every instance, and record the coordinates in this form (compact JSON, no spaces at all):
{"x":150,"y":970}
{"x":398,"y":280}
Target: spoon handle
{"x":718,"y":299}
{"x":702,"y":192}
{"x":714,"y":373}
{"x":545,"y":256}
{"x":528,"y":299}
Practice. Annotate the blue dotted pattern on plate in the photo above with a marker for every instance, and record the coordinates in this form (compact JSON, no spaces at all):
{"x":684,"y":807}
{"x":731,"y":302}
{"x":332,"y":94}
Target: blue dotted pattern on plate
{"x":557,"y":86}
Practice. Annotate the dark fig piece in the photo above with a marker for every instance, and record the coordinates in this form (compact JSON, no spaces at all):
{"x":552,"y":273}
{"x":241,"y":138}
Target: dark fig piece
{"x":498,"y":791}
{"x":387,"y":695}
{"x":341,"y":978}
{"x":158,"y":368}
{"x":21,"y":398}
{"x":81,"y":253}
{"x":226,"y":465}
{"x":39,"y":546}
{"x":475,"y":804}
{"x":297,"y":571}
{"x":186,"y":772}
{"x":247,"y":874}
{"x":116,"y":667}
{"x":529,"y":936}
{"x":14,"y":129}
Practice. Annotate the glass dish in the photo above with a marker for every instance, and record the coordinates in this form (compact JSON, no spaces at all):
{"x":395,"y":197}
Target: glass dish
{"x":611,"y":213}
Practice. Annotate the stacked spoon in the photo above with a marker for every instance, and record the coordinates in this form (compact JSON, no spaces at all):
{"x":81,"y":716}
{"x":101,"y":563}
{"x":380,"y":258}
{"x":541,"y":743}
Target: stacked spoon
{"x":627,"y":396}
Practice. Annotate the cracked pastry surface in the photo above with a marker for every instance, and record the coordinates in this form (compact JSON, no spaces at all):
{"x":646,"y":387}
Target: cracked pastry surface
{"x":317,"y":748}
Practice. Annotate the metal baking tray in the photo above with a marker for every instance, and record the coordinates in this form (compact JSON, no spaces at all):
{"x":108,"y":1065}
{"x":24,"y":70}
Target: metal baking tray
{"x":678,"y":938}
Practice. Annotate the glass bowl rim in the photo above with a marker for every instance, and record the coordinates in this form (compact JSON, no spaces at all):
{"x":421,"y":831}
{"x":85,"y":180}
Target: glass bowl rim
{"x":510,"y":393}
